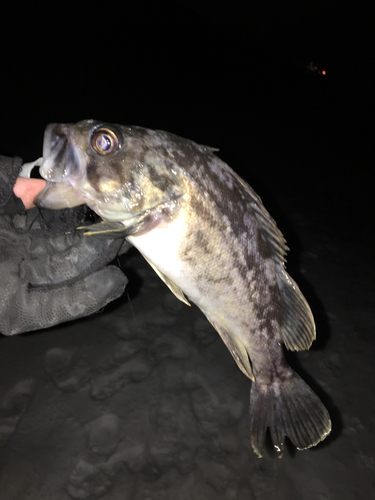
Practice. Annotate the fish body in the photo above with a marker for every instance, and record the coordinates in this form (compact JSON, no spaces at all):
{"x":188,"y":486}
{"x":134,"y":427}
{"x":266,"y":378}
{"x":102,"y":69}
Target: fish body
{"x":208,"y":236}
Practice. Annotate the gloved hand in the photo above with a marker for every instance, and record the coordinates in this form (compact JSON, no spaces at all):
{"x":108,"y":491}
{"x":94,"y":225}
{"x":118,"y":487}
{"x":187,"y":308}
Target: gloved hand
{"x":50,"y":272}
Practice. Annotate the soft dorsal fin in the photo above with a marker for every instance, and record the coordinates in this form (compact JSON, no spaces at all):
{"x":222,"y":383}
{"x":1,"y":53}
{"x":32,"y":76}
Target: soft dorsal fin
{"x":172,"y":286}
{"x":235,"y":347}
{"x":298,"y":328}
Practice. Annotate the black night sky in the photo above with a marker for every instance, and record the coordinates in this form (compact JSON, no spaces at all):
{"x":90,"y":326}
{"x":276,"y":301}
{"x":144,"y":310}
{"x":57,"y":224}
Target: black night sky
{"x":228,"y":74}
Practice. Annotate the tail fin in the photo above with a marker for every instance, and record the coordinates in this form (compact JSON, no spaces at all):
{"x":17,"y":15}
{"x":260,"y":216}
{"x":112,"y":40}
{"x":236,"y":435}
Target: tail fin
{"x":289,"y":408}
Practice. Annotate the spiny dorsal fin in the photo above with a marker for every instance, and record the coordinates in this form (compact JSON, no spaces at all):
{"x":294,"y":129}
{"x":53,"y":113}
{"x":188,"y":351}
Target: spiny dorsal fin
{"x":268,"y":226}
{"x":271,"y":233}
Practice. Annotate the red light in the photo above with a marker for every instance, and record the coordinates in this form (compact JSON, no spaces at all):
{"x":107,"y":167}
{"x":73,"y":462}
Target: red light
{"x":323,"y":72}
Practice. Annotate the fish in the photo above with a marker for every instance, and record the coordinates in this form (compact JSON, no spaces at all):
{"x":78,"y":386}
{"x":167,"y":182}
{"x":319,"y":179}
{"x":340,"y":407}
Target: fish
{"x":208,"y":236}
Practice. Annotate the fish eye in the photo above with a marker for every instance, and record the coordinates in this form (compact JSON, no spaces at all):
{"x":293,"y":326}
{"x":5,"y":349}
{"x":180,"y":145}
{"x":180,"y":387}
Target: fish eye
{"x":104,"y":141}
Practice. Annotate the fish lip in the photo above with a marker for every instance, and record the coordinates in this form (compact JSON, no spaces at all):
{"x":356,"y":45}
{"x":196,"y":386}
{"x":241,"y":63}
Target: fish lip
{"x":60,"y":159}
{"x":58,"y":195}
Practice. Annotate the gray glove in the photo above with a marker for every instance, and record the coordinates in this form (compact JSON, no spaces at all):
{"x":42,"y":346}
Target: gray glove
{"x":51,"y":273}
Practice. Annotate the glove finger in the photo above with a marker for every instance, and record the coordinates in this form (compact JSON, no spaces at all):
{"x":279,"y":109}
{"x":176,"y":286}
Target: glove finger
{"x":125,"y":246}
{"x":69,"y":257}
{"x":41,"y":308}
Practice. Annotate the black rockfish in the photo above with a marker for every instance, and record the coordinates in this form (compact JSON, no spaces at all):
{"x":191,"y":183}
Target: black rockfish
{"x":208,"y":236}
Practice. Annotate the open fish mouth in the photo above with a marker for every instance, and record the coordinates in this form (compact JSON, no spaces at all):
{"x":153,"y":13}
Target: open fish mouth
{"x":60,"y":158}
{"x":63,"y":168}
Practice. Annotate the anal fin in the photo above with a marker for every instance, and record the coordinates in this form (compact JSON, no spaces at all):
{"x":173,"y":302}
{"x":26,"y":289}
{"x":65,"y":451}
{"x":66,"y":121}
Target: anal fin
{"x":235,"y":347}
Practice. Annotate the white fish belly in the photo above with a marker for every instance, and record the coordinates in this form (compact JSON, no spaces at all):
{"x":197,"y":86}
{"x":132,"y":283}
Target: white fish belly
{"x":162,"y":246}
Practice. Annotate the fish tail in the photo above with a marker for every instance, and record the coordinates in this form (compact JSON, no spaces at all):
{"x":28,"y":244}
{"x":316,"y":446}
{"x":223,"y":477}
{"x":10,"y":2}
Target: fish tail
{"x":288,"y":407}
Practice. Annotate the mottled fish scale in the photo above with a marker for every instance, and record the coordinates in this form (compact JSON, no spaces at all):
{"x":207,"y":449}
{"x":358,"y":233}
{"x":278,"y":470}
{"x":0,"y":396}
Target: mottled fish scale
{"x":218,"y":185}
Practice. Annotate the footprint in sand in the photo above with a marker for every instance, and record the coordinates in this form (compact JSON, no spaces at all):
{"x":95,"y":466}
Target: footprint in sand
{"x":69,"y":371}
{"x":133,"y":369}
{"x":103,"y":434}
{"x":13,"y":405}
{"x":88,"y":480}
{"x":94,"y":479}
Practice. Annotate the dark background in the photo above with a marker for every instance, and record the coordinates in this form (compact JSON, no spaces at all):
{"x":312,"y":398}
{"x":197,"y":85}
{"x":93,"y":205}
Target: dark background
{"x":224,"y":73}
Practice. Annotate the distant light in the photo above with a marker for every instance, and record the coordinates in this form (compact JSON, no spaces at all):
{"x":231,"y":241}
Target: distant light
{"x":315,"y":70}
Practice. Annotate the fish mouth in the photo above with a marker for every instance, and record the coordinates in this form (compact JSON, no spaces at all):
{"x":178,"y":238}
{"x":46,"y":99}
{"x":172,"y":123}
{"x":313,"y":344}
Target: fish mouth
{"x":60,"y":160}
{"x":61,"y":169}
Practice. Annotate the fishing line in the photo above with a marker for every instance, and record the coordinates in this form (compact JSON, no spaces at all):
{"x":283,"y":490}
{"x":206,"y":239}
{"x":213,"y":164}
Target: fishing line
{"x":131,"y":306}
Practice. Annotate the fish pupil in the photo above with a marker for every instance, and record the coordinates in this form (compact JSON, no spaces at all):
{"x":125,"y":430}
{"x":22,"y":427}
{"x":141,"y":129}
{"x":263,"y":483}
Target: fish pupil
{"x":104,"y":142}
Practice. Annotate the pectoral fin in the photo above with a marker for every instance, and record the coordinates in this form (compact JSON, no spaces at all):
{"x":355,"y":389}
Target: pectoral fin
{"x":235,"y":347}
{"x":172,"y":286}
{"x":106,"y":229}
